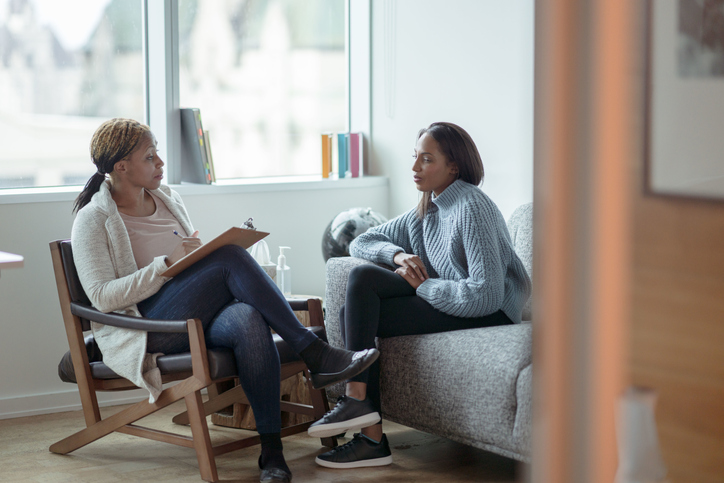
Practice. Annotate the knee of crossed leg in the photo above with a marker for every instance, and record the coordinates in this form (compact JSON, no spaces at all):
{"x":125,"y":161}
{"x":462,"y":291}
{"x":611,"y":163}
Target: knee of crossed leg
{"x":362,"y":276}
{"x":234,"y":254}
{"x":243,"y":324}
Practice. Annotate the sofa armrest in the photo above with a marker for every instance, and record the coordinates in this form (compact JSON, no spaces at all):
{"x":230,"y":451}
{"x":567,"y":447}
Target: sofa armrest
{"x":338,"y":269}
{"x":523,"y":428}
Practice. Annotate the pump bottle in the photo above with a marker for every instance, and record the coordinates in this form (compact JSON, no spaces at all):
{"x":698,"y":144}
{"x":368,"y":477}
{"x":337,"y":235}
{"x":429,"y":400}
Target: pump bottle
{"x":284,"y":273}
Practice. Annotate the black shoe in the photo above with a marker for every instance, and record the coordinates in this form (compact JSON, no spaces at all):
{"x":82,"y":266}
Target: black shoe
{"x":270,"y":475}
{"x":358,"y":453}
{"x":349,"y":413}
{"x":361,"y":360}
{"x":278,"y":473}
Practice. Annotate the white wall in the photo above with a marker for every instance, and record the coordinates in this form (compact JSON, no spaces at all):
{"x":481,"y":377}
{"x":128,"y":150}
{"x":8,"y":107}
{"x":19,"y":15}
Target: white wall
{"x":465,"y":61}
{"x":33,"y":338}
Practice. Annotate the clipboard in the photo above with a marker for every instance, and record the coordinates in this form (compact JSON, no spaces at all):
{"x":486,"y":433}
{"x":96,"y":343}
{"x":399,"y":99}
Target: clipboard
{"x":233,"y":236}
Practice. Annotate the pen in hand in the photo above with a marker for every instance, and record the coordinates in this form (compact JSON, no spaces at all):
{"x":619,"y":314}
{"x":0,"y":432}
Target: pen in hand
{"x":186,"y":246}
{"x":194,"y":235}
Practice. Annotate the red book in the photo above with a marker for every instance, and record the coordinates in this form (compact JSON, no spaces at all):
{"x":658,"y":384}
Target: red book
{"x":355,"y":154}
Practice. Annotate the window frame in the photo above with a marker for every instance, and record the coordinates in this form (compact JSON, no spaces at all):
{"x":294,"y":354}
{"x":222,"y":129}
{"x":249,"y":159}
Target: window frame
{"x":161,"y":95}
{"x":162,"y":75}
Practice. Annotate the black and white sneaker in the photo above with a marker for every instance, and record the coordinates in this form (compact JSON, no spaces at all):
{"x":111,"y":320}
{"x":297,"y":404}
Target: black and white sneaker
{"x":361,"y":360}
{"x":349,"y":413}
{"x":359,"y":453}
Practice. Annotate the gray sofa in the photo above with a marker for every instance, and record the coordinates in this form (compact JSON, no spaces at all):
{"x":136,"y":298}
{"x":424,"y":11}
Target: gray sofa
{"x":472,"y":386}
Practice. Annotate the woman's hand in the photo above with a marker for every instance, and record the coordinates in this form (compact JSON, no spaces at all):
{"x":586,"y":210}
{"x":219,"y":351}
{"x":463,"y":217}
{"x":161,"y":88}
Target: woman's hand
{"x":187,"y":245}
{"x":411,"y":268}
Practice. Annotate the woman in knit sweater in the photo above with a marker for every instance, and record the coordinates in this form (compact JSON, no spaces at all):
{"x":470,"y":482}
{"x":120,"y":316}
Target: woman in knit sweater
{"x":455,"y":268}
{"x":129,"y":229}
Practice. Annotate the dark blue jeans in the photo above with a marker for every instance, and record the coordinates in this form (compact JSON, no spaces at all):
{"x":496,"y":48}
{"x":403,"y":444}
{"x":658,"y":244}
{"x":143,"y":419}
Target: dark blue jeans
{"x":237,"y":303}
{"x":380,"y":303}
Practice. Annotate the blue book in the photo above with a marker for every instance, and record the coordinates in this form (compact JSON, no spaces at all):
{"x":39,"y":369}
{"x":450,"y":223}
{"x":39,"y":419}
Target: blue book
{"x":343,"y":157}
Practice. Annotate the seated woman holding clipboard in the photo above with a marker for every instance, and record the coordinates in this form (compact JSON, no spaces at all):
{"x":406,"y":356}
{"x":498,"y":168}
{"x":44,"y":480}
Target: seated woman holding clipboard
{"x":129,"y":230}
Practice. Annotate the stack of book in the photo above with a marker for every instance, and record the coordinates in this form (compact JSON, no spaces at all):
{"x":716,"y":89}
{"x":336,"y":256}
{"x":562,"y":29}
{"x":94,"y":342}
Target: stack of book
{"x":342,"y":155}
{"x":197,"y":164}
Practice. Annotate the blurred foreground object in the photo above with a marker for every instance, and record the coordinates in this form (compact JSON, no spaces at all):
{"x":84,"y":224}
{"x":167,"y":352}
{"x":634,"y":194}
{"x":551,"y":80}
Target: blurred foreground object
{"x":639,"y":455}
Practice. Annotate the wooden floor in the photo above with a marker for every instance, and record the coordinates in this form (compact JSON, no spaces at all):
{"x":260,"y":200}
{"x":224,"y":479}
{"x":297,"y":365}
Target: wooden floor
{"x":419,"y":457}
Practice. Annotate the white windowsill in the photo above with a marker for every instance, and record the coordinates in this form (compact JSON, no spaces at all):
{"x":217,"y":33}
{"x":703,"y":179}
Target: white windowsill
{"x":231,"y":186}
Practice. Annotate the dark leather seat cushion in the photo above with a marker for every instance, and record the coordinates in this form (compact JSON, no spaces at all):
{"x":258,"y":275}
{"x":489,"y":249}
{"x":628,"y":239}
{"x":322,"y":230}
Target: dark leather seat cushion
{"x":222,"y":363}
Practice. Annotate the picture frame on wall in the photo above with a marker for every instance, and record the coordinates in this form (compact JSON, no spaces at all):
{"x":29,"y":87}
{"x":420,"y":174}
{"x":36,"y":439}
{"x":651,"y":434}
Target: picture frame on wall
{"x":684,"y":145}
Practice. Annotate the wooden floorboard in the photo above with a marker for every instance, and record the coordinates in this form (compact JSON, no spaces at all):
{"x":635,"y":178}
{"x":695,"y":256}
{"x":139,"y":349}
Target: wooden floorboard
{"x":24,"y":456}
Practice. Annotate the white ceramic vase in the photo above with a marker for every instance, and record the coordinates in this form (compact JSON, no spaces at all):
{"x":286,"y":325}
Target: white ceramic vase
{"x":639,"y":455}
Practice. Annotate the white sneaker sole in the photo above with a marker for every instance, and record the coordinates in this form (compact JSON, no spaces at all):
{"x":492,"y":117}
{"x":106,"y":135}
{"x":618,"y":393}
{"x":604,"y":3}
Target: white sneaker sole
{"x":386,"y":460}
{"x":333,"y":429}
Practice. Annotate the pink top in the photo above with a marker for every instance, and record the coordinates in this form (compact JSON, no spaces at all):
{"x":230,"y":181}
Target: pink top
{"x":152,"y":236}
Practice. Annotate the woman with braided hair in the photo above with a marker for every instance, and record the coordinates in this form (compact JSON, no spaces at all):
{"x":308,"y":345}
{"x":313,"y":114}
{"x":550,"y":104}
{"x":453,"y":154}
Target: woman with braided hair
{"x":123,"y":240}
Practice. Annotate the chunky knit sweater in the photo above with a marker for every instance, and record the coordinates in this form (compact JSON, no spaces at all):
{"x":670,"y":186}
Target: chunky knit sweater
{"x":465,"y":246}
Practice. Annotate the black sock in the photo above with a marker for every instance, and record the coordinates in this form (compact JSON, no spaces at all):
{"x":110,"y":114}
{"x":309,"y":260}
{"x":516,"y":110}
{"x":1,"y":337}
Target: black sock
{"x":272,"y":455}
{"x":322,"y":357}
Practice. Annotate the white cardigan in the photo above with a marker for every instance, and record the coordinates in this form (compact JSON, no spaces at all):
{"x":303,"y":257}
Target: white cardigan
{"x":109,"y":275}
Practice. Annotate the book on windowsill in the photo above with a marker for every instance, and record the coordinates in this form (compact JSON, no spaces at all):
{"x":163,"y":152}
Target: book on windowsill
{"x":355,"y":148}
{"x":327,"y":154}
{"x":343,"y":155}
{"x":233,"y":236}
{"x":209,"y":158}
{"x":194,"y":160}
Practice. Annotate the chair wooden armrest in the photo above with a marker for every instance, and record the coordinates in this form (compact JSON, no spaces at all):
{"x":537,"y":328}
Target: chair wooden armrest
{"x":127,"y":321}
{"x":312,"y":305}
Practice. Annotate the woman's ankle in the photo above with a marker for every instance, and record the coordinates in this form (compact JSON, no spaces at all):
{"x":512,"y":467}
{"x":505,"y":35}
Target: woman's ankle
{"x":322,"y":357}
{"x":373,"y":432}
{"x":356,"y":390}
{"x":272,"y":454}
{"x":271,"y":441}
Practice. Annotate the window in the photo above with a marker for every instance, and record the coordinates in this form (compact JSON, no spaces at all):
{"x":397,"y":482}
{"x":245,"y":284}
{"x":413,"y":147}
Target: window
{"x":269,"y":76}
{"x":65,"y":66}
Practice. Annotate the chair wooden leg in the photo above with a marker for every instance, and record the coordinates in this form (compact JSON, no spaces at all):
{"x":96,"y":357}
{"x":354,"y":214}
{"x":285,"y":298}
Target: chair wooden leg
{"x":202,"y":441}
{"x":127,"y":416}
